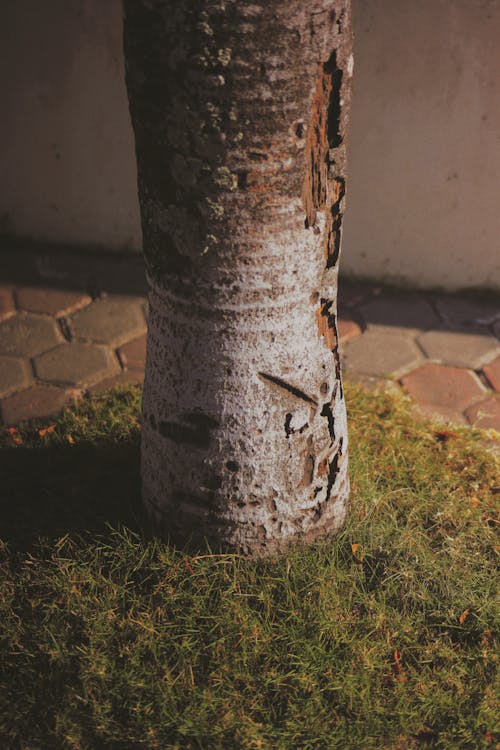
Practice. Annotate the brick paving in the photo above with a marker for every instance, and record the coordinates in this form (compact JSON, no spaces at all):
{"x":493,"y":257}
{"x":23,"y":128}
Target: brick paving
{"x":7,"y":306}
{"x":442,"y":350}
{"x":77,"y":363}
{"x":55,"y":302}
{"x":73,"y":324}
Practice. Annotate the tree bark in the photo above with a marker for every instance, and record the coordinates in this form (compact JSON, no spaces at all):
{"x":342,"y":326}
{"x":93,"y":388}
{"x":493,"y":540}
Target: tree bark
{"x":240,"y":112}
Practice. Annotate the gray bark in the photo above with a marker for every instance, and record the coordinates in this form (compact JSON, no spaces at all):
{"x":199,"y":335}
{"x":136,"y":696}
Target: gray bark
{"x":240,"y":112}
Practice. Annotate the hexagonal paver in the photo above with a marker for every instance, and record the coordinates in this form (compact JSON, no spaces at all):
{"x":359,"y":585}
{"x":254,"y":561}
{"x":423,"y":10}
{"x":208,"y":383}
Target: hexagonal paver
{"x":444,"y":389}
{"x":26,"y":335}
{"x":409,"y":311}
{"x":15,"y":374}
{"x":76,"y":363}
{"x":347,"y":328}
{"x":133,"y":354}
{"x":460,"y":348}
{"x":461,"y":311}
{"x":492,"y":372}
{"x":38,"y":401}
{"x":496,"y":329}
{"x":7,"y":307}
{"x":352,"y":293}
{"x":371,"y":383}
{"x":111,"y":320}
{"x":50,"y":301}
{"x":124,"y":377}
{"x":485,"y":414}
{"x":380,"y":353}
{"x":440,"y":413}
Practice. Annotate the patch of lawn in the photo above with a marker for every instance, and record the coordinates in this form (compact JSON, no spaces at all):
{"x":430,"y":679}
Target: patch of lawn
{"x":381,"y":638}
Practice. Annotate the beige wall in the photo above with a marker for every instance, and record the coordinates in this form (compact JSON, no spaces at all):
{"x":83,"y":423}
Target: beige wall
{"x":423,"y":195}
{"x":67,"y":168}
{"x":424,"y":149}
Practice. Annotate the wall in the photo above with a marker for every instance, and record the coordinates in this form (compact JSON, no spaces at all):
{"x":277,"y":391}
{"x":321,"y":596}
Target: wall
{"x":424,"y":147}
{"x":423,"y":195}
{"x":67,"y":168}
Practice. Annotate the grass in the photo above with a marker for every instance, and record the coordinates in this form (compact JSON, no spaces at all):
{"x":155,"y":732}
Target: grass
{"x":381,"y":638}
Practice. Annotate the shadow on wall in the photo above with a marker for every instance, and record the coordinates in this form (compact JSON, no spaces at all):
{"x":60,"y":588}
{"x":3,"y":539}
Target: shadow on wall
{"x":40,"y":264}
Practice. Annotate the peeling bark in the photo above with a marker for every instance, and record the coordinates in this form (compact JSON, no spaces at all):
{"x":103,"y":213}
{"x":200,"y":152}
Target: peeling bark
{"x":240,"y":113}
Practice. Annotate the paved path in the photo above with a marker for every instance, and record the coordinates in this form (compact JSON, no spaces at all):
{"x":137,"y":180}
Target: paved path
{"x":441,"y":349}
{"x":69,"y":326}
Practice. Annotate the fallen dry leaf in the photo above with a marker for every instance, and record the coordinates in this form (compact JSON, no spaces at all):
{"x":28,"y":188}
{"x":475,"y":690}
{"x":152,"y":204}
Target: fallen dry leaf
{"x":464,"y":616}
{"x":47,"y":430}
{"x":14,"y":435}
{"x":398,"y":667}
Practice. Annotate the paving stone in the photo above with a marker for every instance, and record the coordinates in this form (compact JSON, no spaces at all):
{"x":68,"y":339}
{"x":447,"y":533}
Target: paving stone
{"x":371,"y":383}
{"x":133,"y":354}
{"x":445,"y":389}
{"x":460,"y":348}
{"x":492,"y":372}
{"x":485,"y":414}
{"x":38,"y":401}
{"x":120,"y":273}
{"x":50,"y":301}
{"x":15,"y":374}
{"x":26,"y":335}
{"x":408,"y":311}
{"x":76,"y":363}
{"x":347,"y":328}
{"x":124,"y":377}
{"x":352,"y":293}
{"x":461,"y":311}
{"x":110,"y":320}
{"x":441,"y":413}
{"x":380,"y":353}
{"x":7,"y":306}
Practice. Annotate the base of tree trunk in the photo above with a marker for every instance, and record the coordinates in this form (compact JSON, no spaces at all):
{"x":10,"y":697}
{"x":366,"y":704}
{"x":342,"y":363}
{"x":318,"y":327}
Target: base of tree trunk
{"x":240,"y":113}
{"x":247,"y":447}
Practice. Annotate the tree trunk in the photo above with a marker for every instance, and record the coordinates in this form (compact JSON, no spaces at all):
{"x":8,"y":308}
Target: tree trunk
{"x":240,"y":112}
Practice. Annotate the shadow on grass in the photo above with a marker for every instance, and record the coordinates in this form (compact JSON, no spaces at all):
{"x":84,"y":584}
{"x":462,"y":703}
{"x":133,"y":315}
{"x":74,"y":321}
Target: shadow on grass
{"x":47,"y":492}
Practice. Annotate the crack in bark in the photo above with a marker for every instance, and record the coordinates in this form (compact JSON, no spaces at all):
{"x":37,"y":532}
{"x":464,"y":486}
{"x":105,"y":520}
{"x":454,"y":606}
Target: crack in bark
{"x":179,"y":433}
{"x":323,"y":135}
{"x":289,"y":430}
{"x":326,"y":324}
{"x":334,"y":237}
{"x":197,"y":435}
{"x":327,"y":412}
{"x":288,"y":387}
{"x":332,"y":473}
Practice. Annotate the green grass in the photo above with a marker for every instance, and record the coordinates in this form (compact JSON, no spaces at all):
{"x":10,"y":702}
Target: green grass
{"x":113,"y":639}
